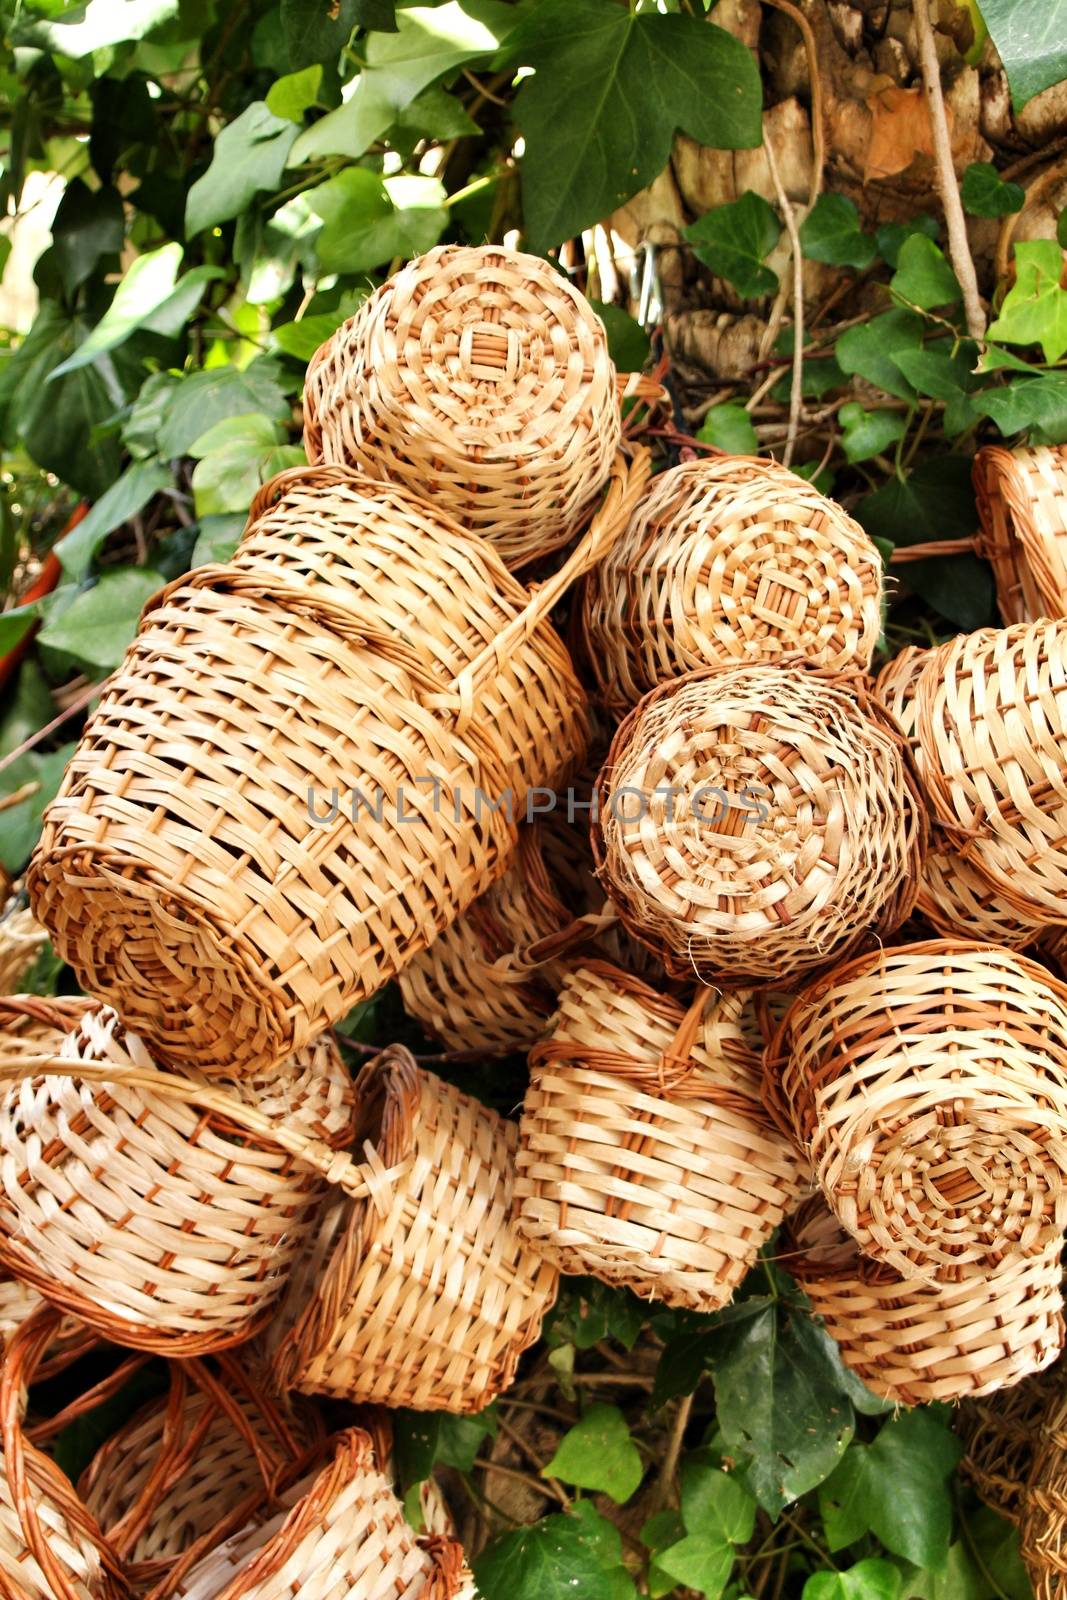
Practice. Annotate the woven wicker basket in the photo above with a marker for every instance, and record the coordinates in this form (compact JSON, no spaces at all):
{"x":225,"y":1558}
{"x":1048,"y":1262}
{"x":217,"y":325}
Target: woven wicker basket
{"x":954,"y":897}
{"x":420,"y":1294}
{"x":341,"y":1532}
{"x":480,"y":379}
{"x":1002,"y":1435}
{"x":730,"y":560}
{"x":21,"y":939}
{"x":360,"y":650}
{"x":161,"y":1224}
{"x":51,"y":1547}
{"x":1042,"y":1513}
{"x":1022,"y":504}
{"x":471,"y":987}
{"x":186,"y":1472}
{"x":645,"y":1157}
{"x":913,"y":1342}
{"x":756,"y":822}
{"x":928,"y":1086}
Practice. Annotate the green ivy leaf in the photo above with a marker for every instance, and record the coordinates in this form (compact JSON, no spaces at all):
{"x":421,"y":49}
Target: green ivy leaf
{"x":870,"y":350}
{"x":872,"y":1579}
{"x":605,"y":1540}
{"x":146,"y":289}
{"x":891,"y":235}
{"x":628,"y":343}
{"x":653,"y":73}
{"x":41,"y":775}
{"x":588,"y":1311}
{"x":297,"y":92}
{"x":1034,"y":310}
{"x":598,"y":1453}
{"x":896,"y":1488}
{"x":936,"y":372}
{"x":368,"y":220}
{"x":715,"y":1503}
{"x":126,"y":497}
{"x":698,"y":1562}
{"x":1029,"y":36}
{"x":729,"y":426}
{"x":733,"y":240}
{"x":314,"y":34}
{"x":996,"y":1544}
{"x":986,"y":194}
{"x":232,"y":462}
{"x":831,"y":232}
{"x":923,"y":276}
{"x":98,"y":625}
{"x":217,"y":538}
{"x":250,"y":155}
{"x":1037,"y":404}
{"x":15,"y":623}
{"x":301,"y":339}
{"x":204,"y":398}
{"x":88,"y":227}
{"x":95,"y":26}
{"x":554,"y":1559}
{"x":868,"y":433}
{"x":780,"y":1405}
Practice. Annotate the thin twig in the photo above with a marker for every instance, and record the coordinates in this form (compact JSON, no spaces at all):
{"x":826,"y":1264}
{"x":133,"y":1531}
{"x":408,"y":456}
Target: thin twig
{"x":818,"y":136}
{"x":951,"y":204}
{"x":796,"y":388}
{"x":665,"y":1482}
{"x":42,"y":733}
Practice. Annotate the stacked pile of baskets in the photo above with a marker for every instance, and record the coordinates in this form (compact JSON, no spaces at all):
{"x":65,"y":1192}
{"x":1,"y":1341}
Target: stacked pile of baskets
{"x":360,"y":751}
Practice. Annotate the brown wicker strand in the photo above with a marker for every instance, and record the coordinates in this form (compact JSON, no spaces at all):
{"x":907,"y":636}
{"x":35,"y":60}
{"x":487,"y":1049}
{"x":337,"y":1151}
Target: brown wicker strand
{"x":1022,"y":505}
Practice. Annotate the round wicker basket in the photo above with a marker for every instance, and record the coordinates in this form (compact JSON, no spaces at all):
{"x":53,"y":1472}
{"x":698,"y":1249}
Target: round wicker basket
{"x":421,"y":1293}
{"x":645,"y":1157}
{"x":954,"y":897}
{"x":51,"y":1547}
{"x":730,"y":559}
{"x":341,"y":1531}
{"x":756,"y":822}
{"x":186,"y":1472}
{"x":310,"y":762}
{"x":913,"y":1342}
{"x":480,"y":379}
{"x":1002,"y":1435}
{"x":991,"y":719}
{"x":471,"y":987}
{"x":21,"y":938}
{"x":162,"y":1225}
{"x":1022,"y":505}
{"x":1043,"y":1507}
{"x":928,"y":1086}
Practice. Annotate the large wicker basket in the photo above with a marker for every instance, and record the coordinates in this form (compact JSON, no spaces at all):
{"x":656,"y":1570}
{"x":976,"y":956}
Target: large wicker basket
{"x":161,"y":1223}
{"x":1002,"y":1435}
{"x":478,"y":378}
{"x":954,"y":897}
{"x":645,"y":1157}
{"x":928,"y":1086}
{"x":421,"y":1293}
{"x":341,"y":1532}
{"x":51,"y":1547}
{"x":310,"y":762}
{"x":1022,"y":504}
{"x":730,"y":560}
{"x":914,"y":1342}
{"x":757,"y":822}
{"x":189,"y":1470}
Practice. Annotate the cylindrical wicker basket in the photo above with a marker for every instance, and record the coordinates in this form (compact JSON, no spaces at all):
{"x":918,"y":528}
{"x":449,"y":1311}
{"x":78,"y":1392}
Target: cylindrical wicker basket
{"x":645,"y":1157}
{"x":1002,"y":1435}
{"x":1022,"y":505}
{"x":187,"y":1471}
{"x":164,"y":1225}
{"x":954,"y":897}
{"x":470,"y":988}
{"x":480,"y":379}
{"x":422,"y":1293}
{"x":51,"y":1547}
{"x":756,"y":822}
{"x":310,"y":762}
{"x":21,"y":939}
{"x":928,"y":1086}
{"x":726,"y":560}
{"x":914,"y":1342}
{"x":341,"y":1532}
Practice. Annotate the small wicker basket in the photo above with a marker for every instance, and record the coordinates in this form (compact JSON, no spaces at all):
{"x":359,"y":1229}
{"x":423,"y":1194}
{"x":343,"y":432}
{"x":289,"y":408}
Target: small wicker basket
{"x":1002,"y":1435}
{"x":1043,"y":1507}
{"x":954,"y":897}
{"x":341,"y":1532}
{"x":645,"y":1157}
{"x":730,"y":560}
{"x":421,"y":1293}
{"x":164,"y":1225}
{"x":1022,"y":505}
{"x":309,"y":763}
{"x":914,"y":1342}
{"x":757,"y":822}
{"x":928,"y":1086}
{"x":21,"y":939}
{"x":480,"y":379}
{"x":186,"y":1472}
{"x":51,"y":1547}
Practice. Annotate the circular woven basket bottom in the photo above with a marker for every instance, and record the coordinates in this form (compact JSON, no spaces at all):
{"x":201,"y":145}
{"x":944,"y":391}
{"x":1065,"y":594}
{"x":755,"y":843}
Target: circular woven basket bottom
{"x":914,"y":1342}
